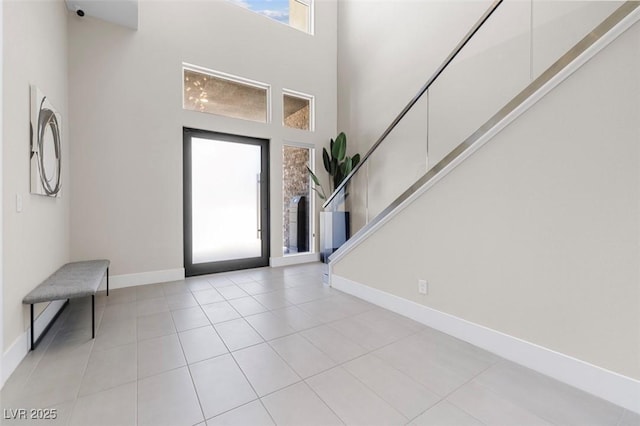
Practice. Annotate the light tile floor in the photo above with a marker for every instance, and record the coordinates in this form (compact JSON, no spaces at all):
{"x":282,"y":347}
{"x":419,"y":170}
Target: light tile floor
{"x":275,"y":346}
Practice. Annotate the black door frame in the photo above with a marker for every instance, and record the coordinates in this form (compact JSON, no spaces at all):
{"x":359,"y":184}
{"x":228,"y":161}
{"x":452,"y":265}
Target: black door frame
{"x":192,"y":269}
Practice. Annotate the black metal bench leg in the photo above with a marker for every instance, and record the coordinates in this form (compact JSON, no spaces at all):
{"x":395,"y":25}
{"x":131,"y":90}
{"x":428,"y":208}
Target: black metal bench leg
{"x":34,"y":341}
{"x":93,"y":316}
{"x":107,"y":281}
{"x":32,"y":330}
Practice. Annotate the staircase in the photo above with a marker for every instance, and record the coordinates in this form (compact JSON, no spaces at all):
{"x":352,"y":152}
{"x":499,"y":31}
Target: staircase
{"x":378,"y":188}
{"x":522,"y":216}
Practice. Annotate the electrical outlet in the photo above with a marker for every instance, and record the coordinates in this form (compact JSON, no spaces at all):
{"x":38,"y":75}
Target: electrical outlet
{"x":423,"y":288}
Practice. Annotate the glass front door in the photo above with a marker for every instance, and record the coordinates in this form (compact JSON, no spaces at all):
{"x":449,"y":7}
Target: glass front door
{"x":225,"y":202}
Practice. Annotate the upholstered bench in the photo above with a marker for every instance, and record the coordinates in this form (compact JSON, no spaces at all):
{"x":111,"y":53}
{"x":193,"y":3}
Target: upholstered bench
{"x":76,"y":279}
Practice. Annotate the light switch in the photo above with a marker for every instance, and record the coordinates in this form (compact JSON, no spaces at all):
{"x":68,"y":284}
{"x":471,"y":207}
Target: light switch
{"x":19,"y":203}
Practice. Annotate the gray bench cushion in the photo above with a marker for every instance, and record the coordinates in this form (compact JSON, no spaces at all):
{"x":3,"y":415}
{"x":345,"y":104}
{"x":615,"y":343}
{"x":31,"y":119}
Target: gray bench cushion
{"x":77,"y":279}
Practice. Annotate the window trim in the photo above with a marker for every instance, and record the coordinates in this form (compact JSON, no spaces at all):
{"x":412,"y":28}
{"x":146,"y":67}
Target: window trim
{"x":232,"y":78}
{"x":311,"y":5}
{"x":312,"y":108}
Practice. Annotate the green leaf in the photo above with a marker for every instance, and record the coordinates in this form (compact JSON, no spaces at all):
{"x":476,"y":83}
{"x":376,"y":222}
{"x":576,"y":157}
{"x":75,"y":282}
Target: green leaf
{"x":313,"y":176}
{"x":339,"y":149}
{"x":318,"y":187}
{"x":348,"y":166}
{"x":320,"y":194}
{"x":337,"y":179}
{"x":334,"y":167}
{"x":336,"y":162}
{"x":355,"y":160}
{"x":326,"y":161}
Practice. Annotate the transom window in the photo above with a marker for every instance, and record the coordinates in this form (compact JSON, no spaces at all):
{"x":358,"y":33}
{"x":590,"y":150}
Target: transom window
{"x":222,"y":94}
{"x":295,"y":13}
{"x":297,"y":110}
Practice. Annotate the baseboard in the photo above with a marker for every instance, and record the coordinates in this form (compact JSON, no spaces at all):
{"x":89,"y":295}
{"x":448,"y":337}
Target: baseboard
{"x":142,"y":278}
{"x":294,"y":259}
{"x":14,"y":355}
{"x":20,"y":347}
{"x":605,"y":384}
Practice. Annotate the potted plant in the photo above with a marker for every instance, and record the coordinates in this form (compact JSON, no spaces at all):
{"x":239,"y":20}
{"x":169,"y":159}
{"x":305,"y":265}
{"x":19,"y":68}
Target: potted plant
{"x":334,"y":225}
{"x":337,"y":163}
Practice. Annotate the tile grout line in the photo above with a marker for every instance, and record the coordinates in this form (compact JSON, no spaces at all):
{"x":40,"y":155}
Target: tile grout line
{"x":67,"y":319}
{"x":235,"y":408}
{"x":492,"y":392}
{"x":267,"y":410}
{"x":337,"y":364}
{"x":296,"y":331}
{"x":371,"y":353}
{"x":542,"y":416}
{"x":103,"y":308}
{"x":239,"y":368}
{"x":461,"y":409}
{"x":446,"y":396}
{"x":302,"y":380}
{"x":393,"y":368}
{"x":248,"y":381}
{"x":84,"y":372}
{"x":193,"y":383}
{"x":56,"y":328}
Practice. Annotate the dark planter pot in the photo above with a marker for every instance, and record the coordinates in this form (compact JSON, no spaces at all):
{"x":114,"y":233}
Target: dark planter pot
{"x":334,"y":232}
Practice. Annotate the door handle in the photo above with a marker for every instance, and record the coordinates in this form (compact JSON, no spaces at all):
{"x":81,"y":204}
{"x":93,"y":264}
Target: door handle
{"x":259,"y":215}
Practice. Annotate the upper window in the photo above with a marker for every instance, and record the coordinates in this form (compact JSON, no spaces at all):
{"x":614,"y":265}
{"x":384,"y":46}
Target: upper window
{"x":297,"y":110}
{"x":222,"y":94}
{"x":296,"y":13}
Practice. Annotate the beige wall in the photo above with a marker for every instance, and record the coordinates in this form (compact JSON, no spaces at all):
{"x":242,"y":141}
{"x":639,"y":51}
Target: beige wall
{"x":520,"y":41}
{"x":386,"y":51}
{"x":537,"y":235}
{"x":126,"y":117}
{"x":382,"y":68}
{"x":36,"y":241}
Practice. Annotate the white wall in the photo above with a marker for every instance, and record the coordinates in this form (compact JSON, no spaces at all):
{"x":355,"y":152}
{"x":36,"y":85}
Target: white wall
{"x":538,"y":234}
{"x":127,"y":118}
{"x":36,"y":241}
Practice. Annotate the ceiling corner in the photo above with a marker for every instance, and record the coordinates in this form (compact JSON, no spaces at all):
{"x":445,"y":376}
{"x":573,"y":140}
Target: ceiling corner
{"x":119,"y":12}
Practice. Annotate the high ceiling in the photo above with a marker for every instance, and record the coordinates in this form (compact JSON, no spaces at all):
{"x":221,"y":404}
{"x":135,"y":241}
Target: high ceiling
{"x":121,"y":12}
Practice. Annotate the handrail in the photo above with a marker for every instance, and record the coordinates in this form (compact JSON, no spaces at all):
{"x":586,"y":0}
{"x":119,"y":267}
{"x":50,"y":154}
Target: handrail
{"x":417,"y":97}
{"x":627,"y":14}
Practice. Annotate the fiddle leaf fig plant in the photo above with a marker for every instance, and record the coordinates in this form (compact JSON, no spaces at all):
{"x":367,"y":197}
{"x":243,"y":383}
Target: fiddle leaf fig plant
{"x":337,"y":163}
